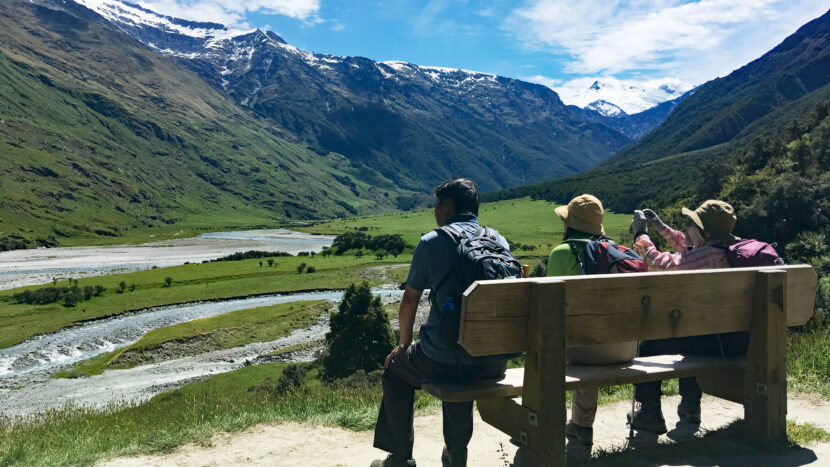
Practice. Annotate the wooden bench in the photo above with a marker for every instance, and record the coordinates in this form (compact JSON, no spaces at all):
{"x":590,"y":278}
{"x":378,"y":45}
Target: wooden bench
{"x":543,"y":316}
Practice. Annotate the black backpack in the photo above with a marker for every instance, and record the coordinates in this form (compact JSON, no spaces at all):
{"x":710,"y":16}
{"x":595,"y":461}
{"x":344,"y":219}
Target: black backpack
{"x":480,"y":257}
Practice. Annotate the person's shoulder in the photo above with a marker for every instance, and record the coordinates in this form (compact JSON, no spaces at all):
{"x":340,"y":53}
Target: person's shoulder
{"x":563,"y":247}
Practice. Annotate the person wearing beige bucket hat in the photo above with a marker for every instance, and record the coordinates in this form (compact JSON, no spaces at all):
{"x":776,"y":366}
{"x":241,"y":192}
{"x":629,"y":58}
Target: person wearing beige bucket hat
{"x":582,"y":218}
{"x":704,"y":245}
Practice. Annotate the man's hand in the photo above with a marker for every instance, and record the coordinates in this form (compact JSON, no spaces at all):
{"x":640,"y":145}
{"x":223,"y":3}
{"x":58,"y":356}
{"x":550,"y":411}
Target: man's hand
{"x":394,"y":353}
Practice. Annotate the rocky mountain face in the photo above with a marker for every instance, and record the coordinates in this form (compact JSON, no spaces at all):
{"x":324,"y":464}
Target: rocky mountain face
{"x":414,"y":125}
{"x":101,"y":137}
{"x":637,"y":125}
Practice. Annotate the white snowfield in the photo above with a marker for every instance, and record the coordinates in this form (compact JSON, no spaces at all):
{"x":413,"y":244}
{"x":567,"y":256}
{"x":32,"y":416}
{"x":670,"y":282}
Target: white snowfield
{"x":630,"y":96}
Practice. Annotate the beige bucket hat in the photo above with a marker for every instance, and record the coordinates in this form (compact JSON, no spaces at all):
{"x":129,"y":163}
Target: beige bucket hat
{"x":583,"y":213}
{"x":715,"y":217}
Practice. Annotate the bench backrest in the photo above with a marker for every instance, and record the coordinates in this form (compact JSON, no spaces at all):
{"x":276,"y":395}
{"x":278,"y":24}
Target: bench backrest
{"x":496,"y":315}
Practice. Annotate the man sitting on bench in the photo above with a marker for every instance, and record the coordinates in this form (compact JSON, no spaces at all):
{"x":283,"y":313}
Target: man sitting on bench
{"x":411,"y":364}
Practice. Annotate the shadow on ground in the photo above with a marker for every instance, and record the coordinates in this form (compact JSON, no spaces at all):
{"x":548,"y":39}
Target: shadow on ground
{"x":726,"y":446}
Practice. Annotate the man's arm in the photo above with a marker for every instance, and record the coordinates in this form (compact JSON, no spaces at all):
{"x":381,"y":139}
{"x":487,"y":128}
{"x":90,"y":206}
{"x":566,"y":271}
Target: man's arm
{"x":406,"y":320}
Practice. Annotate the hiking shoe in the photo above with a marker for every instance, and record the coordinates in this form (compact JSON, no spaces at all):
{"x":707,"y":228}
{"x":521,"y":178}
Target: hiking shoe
{"x":584,"y":435}
{"x":649,"y":418}
{"x":454,"y":457}
{"x":394,"y":460}
{"x":689,"y":412}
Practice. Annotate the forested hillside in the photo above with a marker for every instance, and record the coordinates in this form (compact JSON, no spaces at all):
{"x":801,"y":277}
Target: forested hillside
{"x":720,"y":119}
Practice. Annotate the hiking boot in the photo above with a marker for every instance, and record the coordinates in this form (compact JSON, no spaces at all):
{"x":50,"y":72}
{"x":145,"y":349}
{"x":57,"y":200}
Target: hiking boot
{"x":649,"y":418}
{"x":454,"y":457}
{"x":394,"y":460}
{"x":689,"y":412}
{"x":583,"y":435}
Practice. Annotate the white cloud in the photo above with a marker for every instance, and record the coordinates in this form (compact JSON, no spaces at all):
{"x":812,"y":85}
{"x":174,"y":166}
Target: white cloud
{"x":700,"y":39}
{"x":233,"y":12}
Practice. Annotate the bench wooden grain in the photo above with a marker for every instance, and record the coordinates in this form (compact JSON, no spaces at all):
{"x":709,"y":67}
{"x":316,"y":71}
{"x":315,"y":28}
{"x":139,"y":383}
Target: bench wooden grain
{"x":543,"y":316}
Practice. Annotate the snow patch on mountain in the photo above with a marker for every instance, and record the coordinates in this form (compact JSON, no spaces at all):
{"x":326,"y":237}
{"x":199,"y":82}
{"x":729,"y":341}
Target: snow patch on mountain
{"x":629,"y":96}
{"x":126,"y":13}
{"x":606,"y":108}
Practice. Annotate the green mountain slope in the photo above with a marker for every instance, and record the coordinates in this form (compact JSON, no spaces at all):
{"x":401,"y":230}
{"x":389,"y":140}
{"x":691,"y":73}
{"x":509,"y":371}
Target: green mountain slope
{"x":722,"y":118}
{"x":101,"y":137}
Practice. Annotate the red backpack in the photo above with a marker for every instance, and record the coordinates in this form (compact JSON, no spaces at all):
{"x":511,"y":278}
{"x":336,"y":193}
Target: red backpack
{"x":750,"y":253}
{"x":603,"y":256}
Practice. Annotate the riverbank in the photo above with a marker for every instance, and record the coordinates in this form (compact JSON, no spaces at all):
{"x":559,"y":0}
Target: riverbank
{"x":39,"y":266}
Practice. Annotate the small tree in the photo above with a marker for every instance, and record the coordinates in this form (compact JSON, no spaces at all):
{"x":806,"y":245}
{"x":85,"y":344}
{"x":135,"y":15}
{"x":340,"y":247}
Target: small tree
{"x":310,"y":270}
{"x":260,"y":263}
{"x":300,"y":268}
{"x":270,"y":262}
{"x":121,"y":286}
{"x":380,"y":254}
{"x":358,"y":254}
{"x":132,"y":287}
{"x":326,"y":252}
{"x":168,"y":281}
{"x":538,"y":271}
{"x":360,"y":336}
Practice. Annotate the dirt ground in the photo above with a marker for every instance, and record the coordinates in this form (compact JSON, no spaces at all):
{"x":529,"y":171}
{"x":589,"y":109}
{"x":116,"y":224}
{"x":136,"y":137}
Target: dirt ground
{"x":292,"y":444}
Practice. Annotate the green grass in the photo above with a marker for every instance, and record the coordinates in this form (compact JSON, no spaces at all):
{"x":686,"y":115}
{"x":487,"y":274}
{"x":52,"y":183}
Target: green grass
{"x":520,"y":220}
{"x":228,"y":402}
{"x":191,"y":282}
{"x":806,"y":433}
{"x":808,"y":361}
{"x":223,"y":331}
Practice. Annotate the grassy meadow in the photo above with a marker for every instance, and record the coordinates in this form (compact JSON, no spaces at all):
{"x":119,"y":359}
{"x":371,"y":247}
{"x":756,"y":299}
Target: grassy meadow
{"x":190,"y":282}
{"x":522,"y":221}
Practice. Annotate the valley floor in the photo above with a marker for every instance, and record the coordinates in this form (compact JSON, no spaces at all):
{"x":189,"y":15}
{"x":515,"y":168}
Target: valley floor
{"x":309,"y":444}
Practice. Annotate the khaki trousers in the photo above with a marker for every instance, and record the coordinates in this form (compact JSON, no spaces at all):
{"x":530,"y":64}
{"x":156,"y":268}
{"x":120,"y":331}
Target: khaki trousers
{"x":584,"y":406}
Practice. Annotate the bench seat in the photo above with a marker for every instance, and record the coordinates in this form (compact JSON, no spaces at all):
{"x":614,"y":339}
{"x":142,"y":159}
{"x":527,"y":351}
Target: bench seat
{"x":639,"y":370}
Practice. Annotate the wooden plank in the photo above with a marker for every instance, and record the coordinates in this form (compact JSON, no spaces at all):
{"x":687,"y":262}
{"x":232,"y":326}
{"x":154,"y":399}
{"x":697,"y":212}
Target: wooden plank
{"x":504,"y":335}
{"x":544,"y":388}
{"x":608,"y":308}
{"x":765,"y":409}
{"x":510,"y":386}
{"x":727,"y":383}
{"x":639,"y":370}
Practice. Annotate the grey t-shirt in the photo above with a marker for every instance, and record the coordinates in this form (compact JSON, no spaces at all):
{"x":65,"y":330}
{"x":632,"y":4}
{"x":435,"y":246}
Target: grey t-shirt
{"x":434,"y":257}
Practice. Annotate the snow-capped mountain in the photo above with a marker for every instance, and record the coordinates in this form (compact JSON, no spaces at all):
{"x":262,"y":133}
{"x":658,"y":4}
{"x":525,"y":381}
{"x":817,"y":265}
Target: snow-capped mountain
{"x":614,"y":97}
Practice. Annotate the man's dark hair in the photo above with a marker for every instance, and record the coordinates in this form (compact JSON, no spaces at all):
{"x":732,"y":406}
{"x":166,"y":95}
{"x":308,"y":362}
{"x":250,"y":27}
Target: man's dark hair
{"x":462,"y":191}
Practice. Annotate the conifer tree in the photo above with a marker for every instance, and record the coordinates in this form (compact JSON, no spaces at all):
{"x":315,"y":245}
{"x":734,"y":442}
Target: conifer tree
{"x":360,"y":336}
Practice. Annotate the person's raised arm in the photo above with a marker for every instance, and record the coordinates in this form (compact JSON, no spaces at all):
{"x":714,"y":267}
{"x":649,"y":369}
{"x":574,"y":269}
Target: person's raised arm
{"x":406,"y":320}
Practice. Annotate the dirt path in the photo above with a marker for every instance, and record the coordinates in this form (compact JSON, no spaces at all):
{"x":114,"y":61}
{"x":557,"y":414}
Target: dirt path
{"x":293,"y":444}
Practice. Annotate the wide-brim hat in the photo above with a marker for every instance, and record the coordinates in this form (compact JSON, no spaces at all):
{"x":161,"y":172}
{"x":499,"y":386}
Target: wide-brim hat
{"x":717,"y":218}
{"x":583,"y":213}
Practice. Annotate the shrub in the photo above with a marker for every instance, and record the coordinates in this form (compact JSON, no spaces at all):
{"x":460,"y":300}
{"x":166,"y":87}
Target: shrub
{"x":168,"y":281}
{"x":360,"y":336}
{"x":310,"y":270}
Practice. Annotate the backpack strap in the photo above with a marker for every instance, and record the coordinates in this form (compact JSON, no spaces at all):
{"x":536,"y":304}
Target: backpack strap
{"x":572,"y":243}
{"x":455,"y":235}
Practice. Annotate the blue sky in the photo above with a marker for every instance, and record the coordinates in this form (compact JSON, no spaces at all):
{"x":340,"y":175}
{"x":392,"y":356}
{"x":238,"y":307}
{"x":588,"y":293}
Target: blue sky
{"x":553,"y":42}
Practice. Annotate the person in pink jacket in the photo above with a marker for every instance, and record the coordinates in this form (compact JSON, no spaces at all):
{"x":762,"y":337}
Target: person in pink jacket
{"x":703,"y":246}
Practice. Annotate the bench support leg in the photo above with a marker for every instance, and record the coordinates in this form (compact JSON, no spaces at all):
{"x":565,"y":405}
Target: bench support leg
{"x":543,"y":395}
{"x":765,"y":386}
